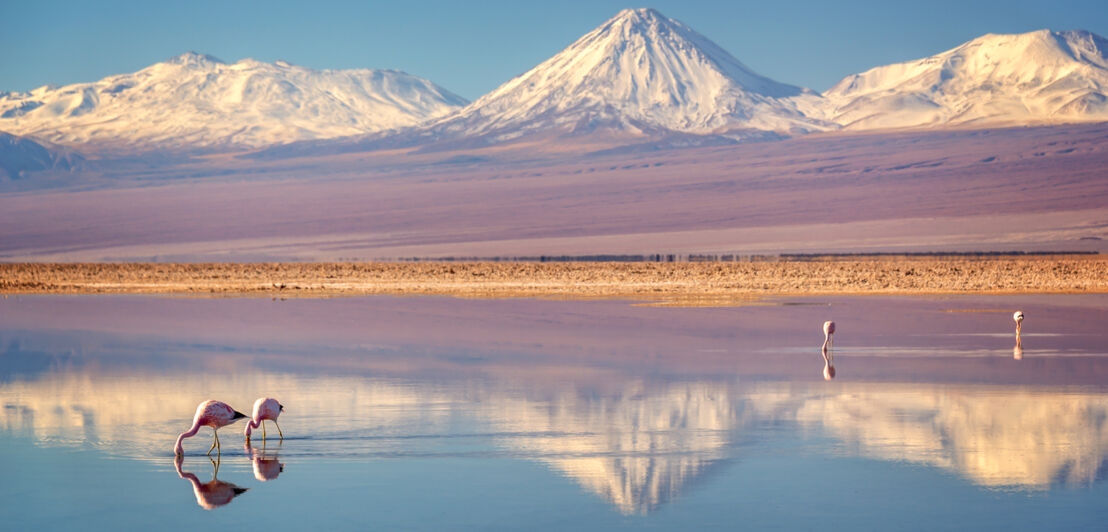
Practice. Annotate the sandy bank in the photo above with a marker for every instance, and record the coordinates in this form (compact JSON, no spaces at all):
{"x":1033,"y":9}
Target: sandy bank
{"x":683,"y":282}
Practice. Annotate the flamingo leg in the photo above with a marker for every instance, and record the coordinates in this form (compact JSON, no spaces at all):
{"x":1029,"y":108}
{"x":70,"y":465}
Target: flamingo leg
{"x":263,"y":430}
{"x":215,"y":444}
{"x":279,"y":430}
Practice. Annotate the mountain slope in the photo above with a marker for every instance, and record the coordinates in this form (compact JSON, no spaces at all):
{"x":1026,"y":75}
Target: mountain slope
{"x":638,"y":72}
{"x":19,"y":156}
{"x":1037,"y":77}
{"x":196,"y":101}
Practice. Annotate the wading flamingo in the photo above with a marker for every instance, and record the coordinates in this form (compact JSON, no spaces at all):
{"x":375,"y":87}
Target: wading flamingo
{"x":1017,"y":352}
{"x":211,"y":494}
{"x":214,"y":414}
{"x":264,"y":408}
{"x":828,"y":332}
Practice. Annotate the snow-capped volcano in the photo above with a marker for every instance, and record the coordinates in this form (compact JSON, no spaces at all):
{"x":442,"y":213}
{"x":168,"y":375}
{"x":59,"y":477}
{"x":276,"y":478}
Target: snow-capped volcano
{"x":198,"y":101}
{"x":638,"y":71}
{"x":1037,"y":77}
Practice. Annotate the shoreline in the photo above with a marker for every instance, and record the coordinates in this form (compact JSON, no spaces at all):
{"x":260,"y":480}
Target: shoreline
{"x":714,"y":283}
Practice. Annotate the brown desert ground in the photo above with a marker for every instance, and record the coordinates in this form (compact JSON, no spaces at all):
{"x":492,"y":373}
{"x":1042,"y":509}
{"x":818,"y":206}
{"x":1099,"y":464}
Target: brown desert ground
{"x":691,"y":283}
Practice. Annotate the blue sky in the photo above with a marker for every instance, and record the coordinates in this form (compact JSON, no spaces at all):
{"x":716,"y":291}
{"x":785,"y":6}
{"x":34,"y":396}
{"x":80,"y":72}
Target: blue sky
{"x":472,"y":47}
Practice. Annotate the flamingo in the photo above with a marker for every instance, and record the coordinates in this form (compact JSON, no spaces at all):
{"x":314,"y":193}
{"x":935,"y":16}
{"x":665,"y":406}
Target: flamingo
{"x":1017,"y":352}
{"x":211,"y":494}
{"x":264,"y":408}
{"x":828,"y":332}
{"x":214,"y":414}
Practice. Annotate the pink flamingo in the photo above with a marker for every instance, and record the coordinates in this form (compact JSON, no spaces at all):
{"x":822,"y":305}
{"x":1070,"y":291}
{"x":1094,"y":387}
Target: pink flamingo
{"x":264,"y":408}
{"x":828,"y":333}
{"x":1017,"y":352}
{"x":214,"y":414}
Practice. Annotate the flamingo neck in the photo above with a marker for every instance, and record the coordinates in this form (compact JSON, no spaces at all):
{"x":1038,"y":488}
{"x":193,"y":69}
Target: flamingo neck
{"x":250,"y":426}
{"x":178,"y":449}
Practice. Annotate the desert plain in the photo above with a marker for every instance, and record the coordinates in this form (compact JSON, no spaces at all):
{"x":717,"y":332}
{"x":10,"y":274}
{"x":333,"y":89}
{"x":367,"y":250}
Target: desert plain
{"x":712,"y":282}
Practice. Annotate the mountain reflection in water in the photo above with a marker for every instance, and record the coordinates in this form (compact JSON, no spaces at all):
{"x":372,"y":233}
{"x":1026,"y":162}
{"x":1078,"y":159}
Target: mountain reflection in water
{"x":638,"y":406}
{"x":636,"y":443}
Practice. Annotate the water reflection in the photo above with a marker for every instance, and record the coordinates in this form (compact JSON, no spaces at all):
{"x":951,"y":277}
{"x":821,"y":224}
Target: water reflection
{"x":211,"y":494}
{"x":636,"y":447}
{"x":828,"y":365}
{"x":266,"y":464}
{"x":637,"y":443}
{"x":638,"y":417}
{"x":995,"y":437}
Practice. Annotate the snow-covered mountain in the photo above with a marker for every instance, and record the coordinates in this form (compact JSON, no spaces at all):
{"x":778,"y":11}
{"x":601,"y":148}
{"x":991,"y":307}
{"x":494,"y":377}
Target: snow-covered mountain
{"x":1030,"y":78}
{"x":637,"y":72}
{"x":197,"y":101}
{"x":19,"y":155}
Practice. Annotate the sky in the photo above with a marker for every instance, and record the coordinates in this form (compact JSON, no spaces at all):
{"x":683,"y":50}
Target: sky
{"x":472,"y":47}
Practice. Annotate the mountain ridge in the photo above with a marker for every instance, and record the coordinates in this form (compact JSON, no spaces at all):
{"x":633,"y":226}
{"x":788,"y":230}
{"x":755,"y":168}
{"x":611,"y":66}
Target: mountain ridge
{"x":196,"y":101}
{"x":1042,"y":76}
{"x":639,"y":81}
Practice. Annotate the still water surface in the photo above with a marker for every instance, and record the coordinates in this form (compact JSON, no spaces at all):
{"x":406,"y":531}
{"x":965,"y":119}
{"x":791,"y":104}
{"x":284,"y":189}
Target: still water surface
{"x":434,"y":413}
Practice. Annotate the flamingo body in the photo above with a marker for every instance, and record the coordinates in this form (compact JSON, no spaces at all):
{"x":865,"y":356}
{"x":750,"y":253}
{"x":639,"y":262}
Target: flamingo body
{"x":828,"y":333}
{"x":1018,"y":317}
{"x":264,"y":408}
{"x":214,"y":414}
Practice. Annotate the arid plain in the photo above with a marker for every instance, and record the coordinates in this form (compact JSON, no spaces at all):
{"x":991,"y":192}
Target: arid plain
{"x":1019,"y":189}
{"x":686,"y":283}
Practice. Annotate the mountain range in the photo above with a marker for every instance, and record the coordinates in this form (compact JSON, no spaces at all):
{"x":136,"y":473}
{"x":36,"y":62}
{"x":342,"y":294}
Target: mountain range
{"x":1037,"y":77}
{"x":638,"y":76}
{"x":198,"y":101}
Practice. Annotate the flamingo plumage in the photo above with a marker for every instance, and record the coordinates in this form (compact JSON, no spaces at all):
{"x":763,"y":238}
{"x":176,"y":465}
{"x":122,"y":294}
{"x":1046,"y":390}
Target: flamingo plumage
{"x":214,"y":414}
{"x":264,"y":408}
{"x":828,"y":333}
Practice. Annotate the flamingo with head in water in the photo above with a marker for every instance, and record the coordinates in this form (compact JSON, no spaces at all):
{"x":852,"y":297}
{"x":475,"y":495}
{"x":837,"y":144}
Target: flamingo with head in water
{"x":828,"y":332}
{"x":1018,"y":317}
{"x":214,"y":414}
{"x":264,"y":408}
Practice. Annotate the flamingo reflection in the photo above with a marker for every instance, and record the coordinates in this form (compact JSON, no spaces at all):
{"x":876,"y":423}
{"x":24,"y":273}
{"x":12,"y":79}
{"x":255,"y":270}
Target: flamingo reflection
{"x":211,"y":494}
{"x":828,"y":357}
{"x":266,"y":465}
{"x":828,"y":366}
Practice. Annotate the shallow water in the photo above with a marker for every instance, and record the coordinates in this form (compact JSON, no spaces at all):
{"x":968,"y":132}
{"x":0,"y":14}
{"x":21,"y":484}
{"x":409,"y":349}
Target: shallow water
{"x":433,"y":413}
